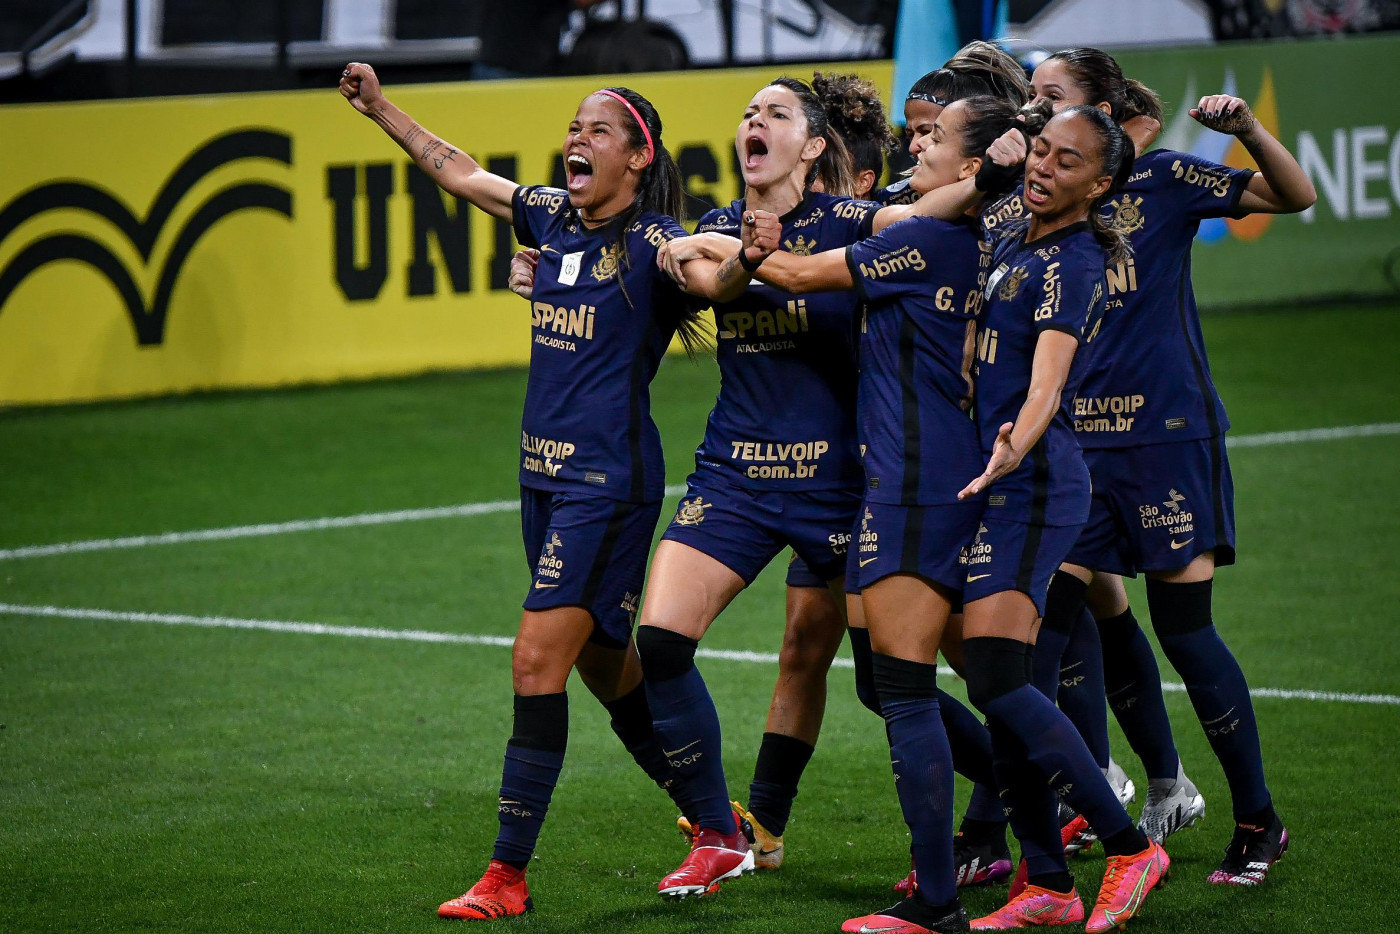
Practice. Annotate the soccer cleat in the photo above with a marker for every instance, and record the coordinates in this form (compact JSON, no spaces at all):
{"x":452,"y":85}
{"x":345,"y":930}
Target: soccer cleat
{"x":767,"y":849}
{"x":910,"y":916}
{"x":1018,"y":883}
{"x":1123,"y":786}
{"x":980,"y":864}
{"x":909,"y":884}
{"x":1126,"y":882}
{"x":1172,"y":804}
{"x":501,"y":893}
{"x":1076,"y":835}
{"x":1250,"y":855}
{"x":714,"y":858}
{"x":1033,"y":907}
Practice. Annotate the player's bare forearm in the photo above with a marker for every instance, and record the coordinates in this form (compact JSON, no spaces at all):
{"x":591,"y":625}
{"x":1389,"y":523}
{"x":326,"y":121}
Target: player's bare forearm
{"x":947,"y":203}
{"x":453,"y":170}
{"x":1054,"y":353}
{"x":825,"y":272}
{"x":1281,"y":187}
{"x":730,"y":280}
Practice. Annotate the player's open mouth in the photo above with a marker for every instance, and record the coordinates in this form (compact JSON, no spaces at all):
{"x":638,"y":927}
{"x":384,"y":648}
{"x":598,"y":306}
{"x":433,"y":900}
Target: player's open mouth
{"x":579,"y":170}
{"x":1037,"y":193}
{"x":755,"y":151}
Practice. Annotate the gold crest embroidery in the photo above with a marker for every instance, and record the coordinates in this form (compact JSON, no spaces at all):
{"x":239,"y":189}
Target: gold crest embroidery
{"x":692,"y":511}
{"x":1127,"y":215}
{"x":801,"y":247}
{"x":1011,"y":284}
{"x":606,"y":267}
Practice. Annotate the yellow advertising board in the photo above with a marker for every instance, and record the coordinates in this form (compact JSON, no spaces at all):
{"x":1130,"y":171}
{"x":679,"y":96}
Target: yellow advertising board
{"x":180,"y":244}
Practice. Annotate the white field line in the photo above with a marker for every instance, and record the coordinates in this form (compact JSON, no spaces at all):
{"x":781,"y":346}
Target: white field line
{"x":509,"y":505}
{"x":420,"y":635}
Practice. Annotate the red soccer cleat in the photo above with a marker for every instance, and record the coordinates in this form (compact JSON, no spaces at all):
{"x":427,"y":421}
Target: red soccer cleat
{"x":501,"y":893}
{"x":713,"y":858}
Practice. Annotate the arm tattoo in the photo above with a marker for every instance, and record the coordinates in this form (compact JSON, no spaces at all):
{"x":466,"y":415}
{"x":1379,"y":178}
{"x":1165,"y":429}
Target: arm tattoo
{"x":445,"y":157}
{"x":730,"y":271}
{"x":413,"y":133}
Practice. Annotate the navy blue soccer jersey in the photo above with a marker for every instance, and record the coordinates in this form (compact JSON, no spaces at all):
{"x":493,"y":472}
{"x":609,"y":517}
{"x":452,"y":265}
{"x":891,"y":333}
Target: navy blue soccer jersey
{"x":921,"y":280}
{"x":594,"y":349}
{"x":1054,"y":283}
{"x":900,"y":192}
{"x":1149,"y":380}
{"x":785,"y":416}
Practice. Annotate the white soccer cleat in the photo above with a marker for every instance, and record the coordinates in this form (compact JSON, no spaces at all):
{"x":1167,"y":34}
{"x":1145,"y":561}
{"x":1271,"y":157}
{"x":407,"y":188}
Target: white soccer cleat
{"x":1123,"y":786}
{"x":1171,"y":805}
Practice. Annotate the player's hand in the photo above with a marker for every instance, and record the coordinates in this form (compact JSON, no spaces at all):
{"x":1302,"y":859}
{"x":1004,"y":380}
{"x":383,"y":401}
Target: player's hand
{"x":360,"y":86}
{"x":1009,"y":148}
{"x":1224,"y":114}
{"x":522,"y":272}
{"x":1004,"y":459}
{"x":761,"y":234}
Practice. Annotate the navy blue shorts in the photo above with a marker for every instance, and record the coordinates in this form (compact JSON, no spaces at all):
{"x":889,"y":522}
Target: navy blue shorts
{"x":591,"y":552}
{"x":800,"y":574}
{"x":745,"y":529}
{"x":926,"y":541}
{"x":1007,"y":555}
{"x":1157,"y":507}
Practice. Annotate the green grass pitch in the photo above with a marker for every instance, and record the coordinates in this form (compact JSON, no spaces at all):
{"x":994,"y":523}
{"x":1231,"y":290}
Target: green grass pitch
{"x":185,"y":779}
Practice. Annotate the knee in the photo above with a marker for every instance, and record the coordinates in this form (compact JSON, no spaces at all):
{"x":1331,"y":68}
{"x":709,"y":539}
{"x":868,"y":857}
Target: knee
{"x":898,"y":679}
{"x":1178,"y":609}
{"x":995,"y":667}
{"x":665,"y":654}
{"x":534,"y":671}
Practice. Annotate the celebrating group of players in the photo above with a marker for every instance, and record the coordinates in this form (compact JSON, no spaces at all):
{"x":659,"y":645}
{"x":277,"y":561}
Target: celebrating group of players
{"x":969,"y":403}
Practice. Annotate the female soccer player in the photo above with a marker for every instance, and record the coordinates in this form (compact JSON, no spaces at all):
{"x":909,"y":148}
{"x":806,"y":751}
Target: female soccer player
{"x":1045,"y":298}
{"x":1163,"y":496}
{"x":921,"y":281}
{"x":978,"y":68}
{"x":591,"y":471}
{"x":778,"y":467}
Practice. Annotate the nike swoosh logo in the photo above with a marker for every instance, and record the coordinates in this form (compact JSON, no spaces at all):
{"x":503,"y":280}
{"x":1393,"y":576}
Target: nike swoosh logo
{"x":863,"y":564}
{"x":867,"y":929}
{"x":681,"y":750}
{"x":977,"y":577}
{"x":546,"y":248}
{"x":776,"y":849}
{"x":539,"y":586}
{"x":1176,"y":544}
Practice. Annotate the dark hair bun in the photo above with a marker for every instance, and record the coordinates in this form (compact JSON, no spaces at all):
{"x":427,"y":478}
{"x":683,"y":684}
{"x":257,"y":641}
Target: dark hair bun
{"x":854,"y":108}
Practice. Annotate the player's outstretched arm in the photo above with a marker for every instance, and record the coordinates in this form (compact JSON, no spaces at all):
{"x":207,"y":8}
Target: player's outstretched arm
{"x":1281,"y":186}
{"x":454,"y":171}
{"x":1054,"y":352}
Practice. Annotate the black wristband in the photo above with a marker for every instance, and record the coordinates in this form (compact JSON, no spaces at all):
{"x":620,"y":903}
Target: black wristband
{"x":747,"y":266}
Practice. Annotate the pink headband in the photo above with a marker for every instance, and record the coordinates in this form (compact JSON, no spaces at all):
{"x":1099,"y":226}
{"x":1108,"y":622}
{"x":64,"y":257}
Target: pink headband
{"x":646,"y":134}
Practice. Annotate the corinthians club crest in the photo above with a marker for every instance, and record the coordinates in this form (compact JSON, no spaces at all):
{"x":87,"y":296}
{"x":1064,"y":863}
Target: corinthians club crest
{"x":801,"y":246}
{"x":606,"y":267}
{"x":1011,"y":284}
{"x":1127,"y":214}
{"x":692,"y":511}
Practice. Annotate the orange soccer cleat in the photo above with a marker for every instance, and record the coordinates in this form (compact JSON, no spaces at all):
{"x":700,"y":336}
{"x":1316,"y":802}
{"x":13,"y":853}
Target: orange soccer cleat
{"x":1034,"y":907}
{"x":1126,"y":882}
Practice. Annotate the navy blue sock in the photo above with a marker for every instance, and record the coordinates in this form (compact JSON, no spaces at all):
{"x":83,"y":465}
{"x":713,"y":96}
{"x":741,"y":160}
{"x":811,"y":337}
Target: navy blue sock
{"x":534,"y":756}
{"x":923,"y":769}
{"x":1082,"y":687}
{"x":686,"y":723}
{"x":1063,"y":602}
{"x":865,"y":678}
{"x":631,"y":721}
{"x":1216,"y":685}
{"x":986,"y":805}
{"x":1133,"y":684}
{"x":1030,"y":804}
{"x":781,"y":761}
{"x":999,"y":685}
{"x":967,"y":738}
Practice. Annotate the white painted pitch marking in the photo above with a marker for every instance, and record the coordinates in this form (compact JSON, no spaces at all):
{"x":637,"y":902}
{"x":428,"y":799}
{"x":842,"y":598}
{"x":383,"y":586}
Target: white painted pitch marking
{"x":421,"y":635}
{"x":509,"y":505}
